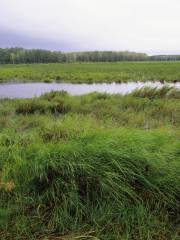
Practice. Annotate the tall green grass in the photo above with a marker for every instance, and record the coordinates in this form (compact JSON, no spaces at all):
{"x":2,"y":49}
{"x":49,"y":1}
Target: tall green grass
{"x":108,"y":168}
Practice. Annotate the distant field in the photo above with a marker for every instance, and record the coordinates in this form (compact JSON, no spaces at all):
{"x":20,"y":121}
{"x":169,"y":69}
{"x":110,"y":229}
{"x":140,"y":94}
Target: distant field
{"x":92,"y":72}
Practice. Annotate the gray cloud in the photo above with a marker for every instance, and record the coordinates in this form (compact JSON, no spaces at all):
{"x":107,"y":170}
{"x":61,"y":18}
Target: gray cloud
{"x":13,"y":39}
{"x":150,"y":26}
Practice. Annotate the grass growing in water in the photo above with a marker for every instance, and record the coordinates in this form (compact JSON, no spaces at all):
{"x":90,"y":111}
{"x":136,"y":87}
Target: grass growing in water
{"x":92,"y":72}
{"x":106,"y":168}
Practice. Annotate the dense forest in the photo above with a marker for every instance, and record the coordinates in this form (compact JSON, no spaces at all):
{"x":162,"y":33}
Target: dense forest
{"x":21,"y":55}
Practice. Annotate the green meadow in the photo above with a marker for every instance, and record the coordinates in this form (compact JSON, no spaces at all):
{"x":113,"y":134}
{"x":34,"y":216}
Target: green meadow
{"x":92,"y":72}
{"x":93,"y":167}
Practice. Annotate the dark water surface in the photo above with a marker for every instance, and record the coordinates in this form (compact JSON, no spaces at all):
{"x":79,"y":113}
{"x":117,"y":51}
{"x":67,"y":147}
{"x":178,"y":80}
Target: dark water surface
{"x":28,"y":90}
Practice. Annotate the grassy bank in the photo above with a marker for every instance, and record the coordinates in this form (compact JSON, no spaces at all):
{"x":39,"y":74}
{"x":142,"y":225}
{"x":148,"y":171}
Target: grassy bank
{"x":91,"y":167}
{"x":92,"y":72}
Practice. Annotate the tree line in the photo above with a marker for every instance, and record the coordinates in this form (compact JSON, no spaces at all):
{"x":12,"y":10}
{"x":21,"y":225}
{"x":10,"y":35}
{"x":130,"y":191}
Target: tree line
{"x":21,"y":55}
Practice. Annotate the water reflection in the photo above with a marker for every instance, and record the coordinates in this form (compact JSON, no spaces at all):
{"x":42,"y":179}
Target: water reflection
{"x":28,"y":90}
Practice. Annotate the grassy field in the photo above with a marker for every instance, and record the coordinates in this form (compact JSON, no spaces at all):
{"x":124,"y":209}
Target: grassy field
{"x":92,"y":72}
{"x":94,"y":167}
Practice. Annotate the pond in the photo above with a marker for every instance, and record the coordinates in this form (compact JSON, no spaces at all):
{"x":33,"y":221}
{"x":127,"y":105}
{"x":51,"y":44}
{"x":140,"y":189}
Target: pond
{"x":28,"y":90}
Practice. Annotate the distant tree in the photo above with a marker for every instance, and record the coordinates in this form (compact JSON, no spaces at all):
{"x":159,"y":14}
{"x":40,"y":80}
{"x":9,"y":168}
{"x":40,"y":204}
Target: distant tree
{"x":20,"y":55}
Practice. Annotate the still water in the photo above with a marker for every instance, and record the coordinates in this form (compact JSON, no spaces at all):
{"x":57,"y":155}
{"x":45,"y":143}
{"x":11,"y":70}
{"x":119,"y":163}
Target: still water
{"x":28,"y":90}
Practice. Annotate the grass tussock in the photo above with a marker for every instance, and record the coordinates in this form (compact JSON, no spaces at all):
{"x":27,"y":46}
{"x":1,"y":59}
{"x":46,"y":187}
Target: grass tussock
{"x":106,"y":167}
{"x":31,"y":107}
{"x":162,"y":92}
{"x":42,"y":106}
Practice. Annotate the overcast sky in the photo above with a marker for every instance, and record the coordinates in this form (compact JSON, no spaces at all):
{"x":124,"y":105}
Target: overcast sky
{"x":151,"y":26}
